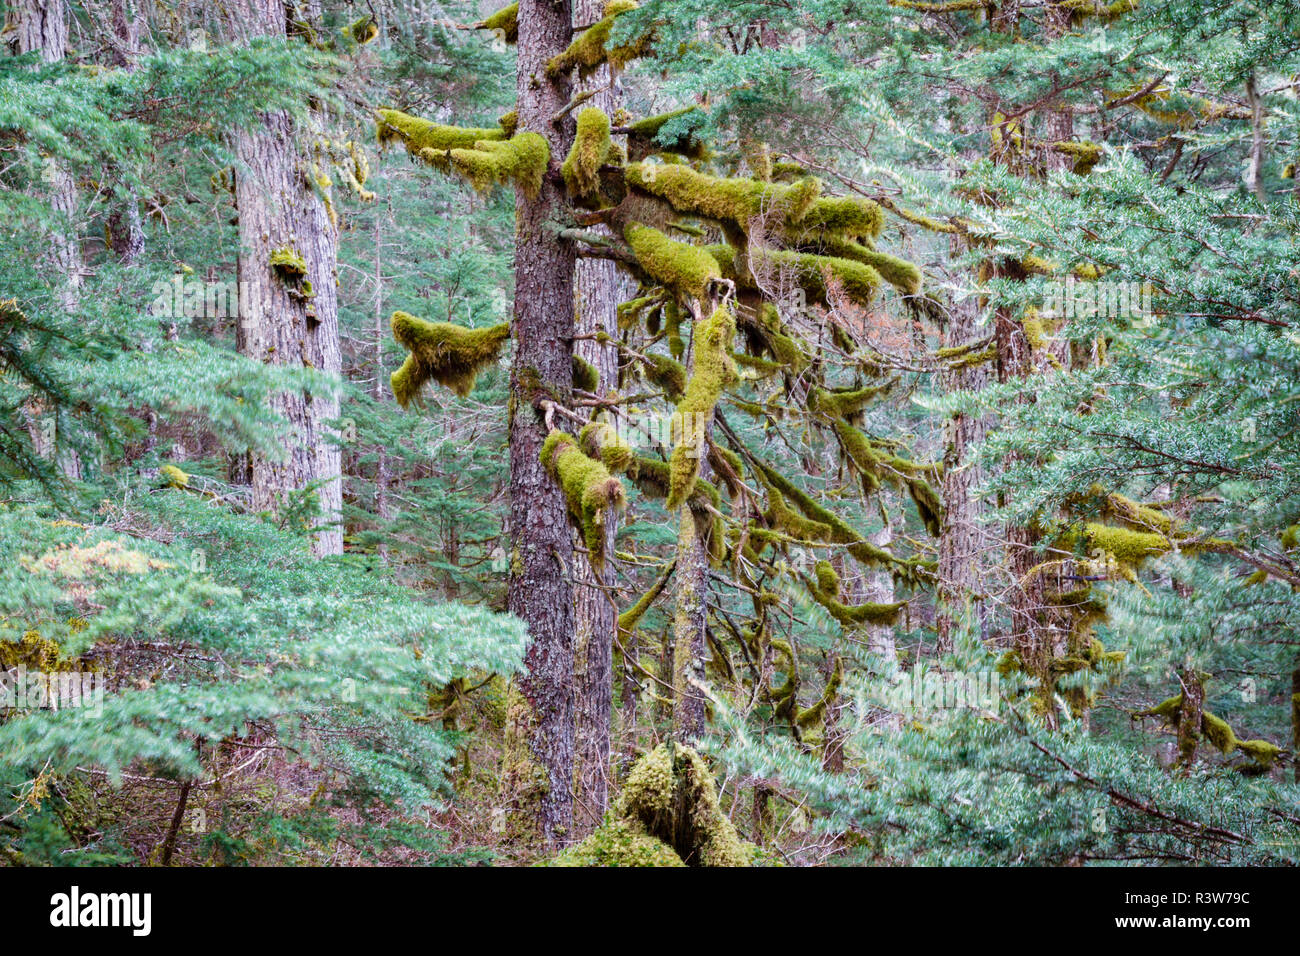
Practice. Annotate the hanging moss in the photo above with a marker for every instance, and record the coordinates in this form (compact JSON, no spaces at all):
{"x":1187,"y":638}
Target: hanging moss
{"x":448,"y":354}
{"x":504,"y":22}
{"x":628,"y":620}
{"x":901,"y":274}
{"x":713,"y":370}
{"x":419,"y":135}
{"x":521,"y":159}
{"x":590,"y":49}
{"x":667,"y":375}
{"x":673,"y":326}
{"x":686,"y":269}
{"x":585,"y":375}
{"x":809,"y":717}
{"x":590,"y":150}
{"x":672,"y":795}
{"x":818,"y":274}
{"x":735,"y":201}
{"x":590,"y":491}
{"x":828,"y":579}
{"x":1217,"y":731}
{"x":653,"y":477}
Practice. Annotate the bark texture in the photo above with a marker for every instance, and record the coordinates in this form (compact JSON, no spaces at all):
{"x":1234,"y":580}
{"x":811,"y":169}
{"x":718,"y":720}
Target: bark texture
{"x":281,"y":321}
{"x":597,"y":285}
{"x":541,"y":566}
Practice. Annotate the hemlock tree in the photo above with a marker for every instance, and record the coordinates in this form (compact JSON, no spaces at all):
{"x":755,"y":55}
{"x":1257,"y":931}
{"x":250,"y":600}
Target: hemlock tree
{"x":762,"y":236}
{"x":288,"y":278}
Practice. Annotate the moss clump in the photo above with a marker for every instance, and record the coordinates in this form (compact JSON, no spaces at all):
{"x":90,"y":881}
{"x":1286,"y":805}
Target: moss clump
{"x":288,"y":262}
{"x":591,"y":148}
{"x":521,"y":159}
{"x":790,"y":522}
{"x":736,"y":201}
{"x":590,"y":491}
{"x":849,"y":615}
{"x":174,"y":477}
{"x":1218,"y":732}
{"x":628,"y":620}
{"x":1086,"y":155}
{"x":810,"y":716}
{"x":666,"y":374}
{"x":901,"y":274}
{"x":585,"y":375}
{"x":419,"y":135}
{"x":646,"y":134}
{"x":713,"y":371}
{"x":686,"y":269}
{"x":591,"y":48}
{"x":819,"y":275}
{"x":1128,"y":546}
{"x":671,"y":794}
{"x":619,"y":843}
{"x":362,"y":31}
{"x":505,"y":22}
{"x":448,"y":354}
{"x":843,"y":403}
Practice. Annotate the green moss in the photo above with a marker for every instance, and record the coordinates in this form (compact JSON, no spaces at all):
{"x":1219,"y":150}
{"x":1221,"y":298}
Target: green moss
{"x":419,"y":135}
{"x":818,"y":275}
{"x":667,"y":375}
{"x":713,"y":370}
{"x":901,"y":274}
{"x":852,"y":615}
{"x":628,"y":620}
{"x":590,"y":491}
{"x":810,"y":716}
{"x":672,"y":795}
{"x":585,"y":375}
{"x":791,"y":522}
{"x":591,"y":48}
{"x":619,"y":843}
{"x":601,"y":440}
{"x":362,"y":31}
{"x":505,"y":21}
{"x":1086,"y":155}
{"x":1217,"y":731}
{"x":735,"y":201}
{"x":521,"y":159}
{"x":590,"y":150}
{"x":828,"y":580}
{"x":686,"y":269}
{"x":448,"y":354}
{"x":646,"y":134}
{"x":1128,"y":546}
{"x":288,"y":262}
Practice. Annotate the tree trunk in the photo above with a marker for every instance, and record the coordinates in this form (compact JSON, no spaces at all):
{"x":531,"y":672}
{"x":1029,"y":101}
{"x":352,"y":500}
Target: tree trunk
{"x":541,"y":566}
{"x":280,"y":322}
{"x":958,"y":598}
{"x":597,"y":284}
{"x":690,"y":620}
{"x":1189,"y":716}
{"x":125,"y":229}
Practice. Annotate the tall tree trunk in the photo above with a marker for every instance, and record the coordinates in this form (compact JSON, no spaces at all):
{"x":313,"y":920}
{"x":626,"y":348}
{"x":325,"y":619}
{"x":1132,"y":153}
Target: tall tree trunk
{"x":41,"y":26}
{"x":541,"y":566}
{"x":1189,"y":716}
{"x":957,"y":603}
{"x":125,"y":229}
{"x":279,"y":322}
{"x":597,"y":284}
{"x":690,"y":619}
